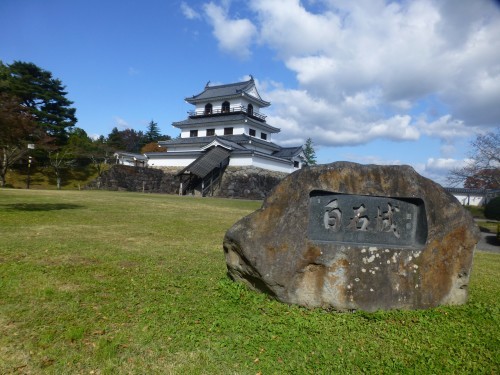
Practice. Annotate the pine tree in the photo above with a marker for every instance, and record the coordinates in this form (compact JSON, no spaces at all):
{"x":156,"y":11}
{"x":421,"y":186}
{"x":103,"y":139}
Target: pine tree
{"x":43,"y":95}
{"x":153,"y":133}
{"x":309,"y":152}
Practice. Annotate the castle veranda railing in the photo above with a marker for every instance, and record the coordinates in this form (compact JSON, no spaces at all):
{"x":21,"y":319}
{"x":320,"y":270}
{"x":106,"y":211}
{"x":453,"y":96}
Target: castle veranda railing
{"x":232,"y":110}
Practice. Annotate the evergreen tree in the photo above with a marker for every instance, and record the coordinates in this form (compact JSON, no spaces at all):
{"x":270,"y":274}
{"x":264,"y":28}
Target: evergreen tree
{"x":127,"y":140}
{"x":309,"y":152}
{"x":43,"y":95}
{"x":153,"y":132}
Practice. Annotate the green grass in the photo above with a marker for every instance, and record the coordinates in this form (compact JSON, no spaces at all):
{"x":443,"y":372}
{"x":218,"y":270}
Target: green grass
{"x":489,"y":226}
{"x":44,"y":178}
{"x":476,"y":211}
{"x":105,"y":283}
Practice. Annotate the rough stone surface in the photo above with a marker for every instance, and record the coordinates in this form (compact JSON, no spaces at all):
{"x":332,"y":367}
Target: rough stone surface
{"x":364,"y":264}
{"x":248,"y":182}
{"x":236,"y":182}
{"x":126,"y":178}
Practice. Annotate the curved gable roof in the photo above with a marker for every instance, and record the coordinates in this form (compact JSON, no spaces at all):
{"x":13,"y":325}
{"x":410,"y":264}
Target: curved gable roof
{"x":228,"y":91}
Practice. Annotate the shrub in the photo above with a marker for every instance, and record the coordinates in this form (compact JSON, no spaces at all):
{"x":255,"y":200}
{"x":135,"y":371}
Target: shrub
{"x":492,"y":209}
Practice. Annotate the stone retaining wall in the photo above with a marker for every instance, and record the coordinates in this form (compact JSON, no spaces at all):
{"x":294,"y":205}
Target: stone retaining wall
{"x":237,"y":182}
{"x":126,"y":178}
{"x":248,"y":182}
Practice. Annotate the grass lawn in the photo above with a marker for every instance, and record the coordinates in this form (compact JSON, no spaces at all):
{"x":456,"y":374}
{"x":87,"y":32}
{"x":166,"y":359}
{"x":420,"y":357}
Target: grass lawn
{"x":105,"y":282}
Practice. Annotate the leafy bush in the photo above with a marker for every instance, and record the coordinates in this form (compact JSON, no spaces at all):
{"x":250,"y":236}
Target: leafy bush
{"x":492,"y":209}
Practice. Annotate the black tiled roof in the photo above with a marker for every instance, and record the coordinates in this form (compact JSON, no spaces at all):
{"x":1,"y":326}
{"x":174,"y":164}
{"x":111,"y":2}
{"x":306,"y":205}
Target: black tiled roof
{"x":229,"y":144}
{"x":239,"y":139}
{"x":288,"y":152}
{"x":203,"y":165}
{"x":225,"y":91}
{"x":221,"y":119}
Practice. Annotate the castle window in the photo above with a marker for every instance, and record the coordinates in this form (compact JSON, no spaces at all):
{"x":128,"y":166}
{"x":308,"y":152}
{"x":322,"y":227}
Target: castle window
{"x":263,"y":136}
{"x":250,"y":110}
{"x":210,"y":132}
{"x":228,"y":131}
{"x":296,"y":164}
{"x":225,"y":107}
{"x":193,"y":133}
{"x":208,"y":109}
{"x":252,"y":132}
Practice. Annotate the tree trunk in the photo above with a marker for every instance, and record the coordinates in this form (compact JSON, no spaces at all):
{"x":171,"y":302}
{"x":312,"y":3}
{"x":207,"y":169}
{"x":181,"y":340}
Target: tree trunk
{"x":3,"y":168}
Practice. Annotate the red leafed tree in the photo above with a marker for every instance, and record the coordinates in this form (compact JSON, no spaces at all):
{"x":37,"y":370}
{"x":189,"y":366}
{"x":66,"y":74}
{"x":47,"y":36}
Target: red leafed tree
{"x":483,"y":171}
{"x":17,"y":130}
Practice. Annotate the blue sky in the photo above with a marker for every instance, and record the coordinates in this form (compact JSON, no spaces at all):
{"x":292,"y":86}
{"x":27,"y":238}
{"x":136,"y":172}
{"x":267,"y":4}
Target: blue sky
{"x":370,"y":81}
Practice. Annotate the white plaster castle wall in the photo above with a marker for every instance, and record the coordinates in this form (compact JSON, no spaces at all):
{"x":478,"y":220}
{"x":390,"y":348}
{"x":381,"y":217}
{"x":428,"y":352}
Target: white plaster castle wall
{"x":469,"y":200}
{"x":219,"y":130}
{"x":233,"y":103}
{"x":234,"y":161}
{"x":170,"y":162}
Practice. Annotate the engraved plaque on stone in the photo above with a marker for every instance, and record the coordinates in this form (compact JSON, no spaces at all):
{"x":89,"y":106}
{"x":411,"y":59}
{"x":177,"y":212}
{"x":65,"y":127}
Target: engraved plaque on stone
{"x":367,"y":220}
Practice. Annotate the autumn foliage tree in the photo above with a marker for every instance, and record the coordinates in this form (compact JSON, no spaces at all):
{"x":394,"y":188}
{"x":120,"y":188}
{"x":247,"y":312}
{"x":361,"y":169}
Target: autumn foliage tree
{"x":33,"y":110}
{"x":483,"y":169}
{"x":152,"y":147}
{"x":17,"y":129}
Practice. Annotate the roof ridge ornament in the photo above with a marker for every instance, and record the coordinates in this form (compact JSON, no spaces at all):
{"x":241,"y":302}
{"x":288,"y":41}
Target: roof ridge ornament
{"x":208,"y":84}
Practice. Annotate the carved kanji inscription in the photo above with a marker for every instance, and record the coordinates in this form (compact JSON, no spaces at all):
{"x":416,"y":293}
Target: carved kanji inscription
{"x":363,"y":219}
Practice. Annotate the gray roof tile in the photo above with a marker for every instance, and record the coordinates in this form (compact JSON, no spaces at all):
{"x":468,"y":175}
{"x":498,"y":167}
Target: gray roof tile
{"x":225,"y":91}
{"x":203,"y":165}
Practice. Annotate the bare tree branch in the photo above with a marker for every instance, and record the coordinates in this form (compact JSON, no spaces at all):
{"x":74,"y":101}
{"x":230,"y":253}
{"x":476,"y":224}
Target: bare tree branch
{"x":483,"y":169}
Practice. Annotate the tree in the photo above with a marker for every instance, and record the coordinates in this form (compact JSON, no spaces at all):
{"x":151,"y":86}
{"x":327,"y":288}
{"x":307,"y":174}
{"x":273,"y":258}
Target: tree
{"x":152,"y":147}
{"x":100,"y":155}
{"x":492,"y":209}
{"x":309,"y":152}
{"x":127,"y":140}
{"x":79,"y":143}
{"x":43,"y":95}
{"x":483,"y":169}
{"x":17,"y":130}
{"x":485,"y":179}
{"x":153,"y":132}
{"x":59,"y":161}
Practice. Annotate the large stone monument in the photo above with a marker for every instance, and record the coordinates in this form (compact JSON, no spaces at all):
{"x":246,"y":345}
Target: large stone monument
{"x":346,"y":236}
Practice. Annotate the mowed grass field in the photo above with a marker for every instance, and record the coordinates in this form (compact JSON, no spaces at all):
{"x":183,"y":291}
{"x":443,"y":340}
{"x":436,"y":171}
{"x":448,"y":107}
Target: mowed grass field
{"x":98,"y":282}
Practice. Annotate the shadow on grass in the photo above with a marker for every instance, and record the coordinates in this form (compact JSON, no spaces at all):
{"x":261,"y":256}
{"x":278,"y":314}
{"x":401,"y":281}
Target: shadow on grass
{"x":40,"y":206}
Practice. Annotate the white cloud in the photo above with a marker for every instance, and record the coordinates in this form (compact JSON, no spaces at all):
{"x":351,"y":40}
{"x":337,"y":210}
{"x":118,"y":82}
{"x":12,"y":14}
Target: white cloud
{"x":233,"y":35}
{"x":371,"y":70}
{"x":348,"y":122}
{"x":438,"y":169}
{"x":371,"y":159}
{"x":374,"y":69}
{"x":445,"y":128}
{"x":443,"y":164}
{"x":189,"y":12}
{"x":288,"y":27}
